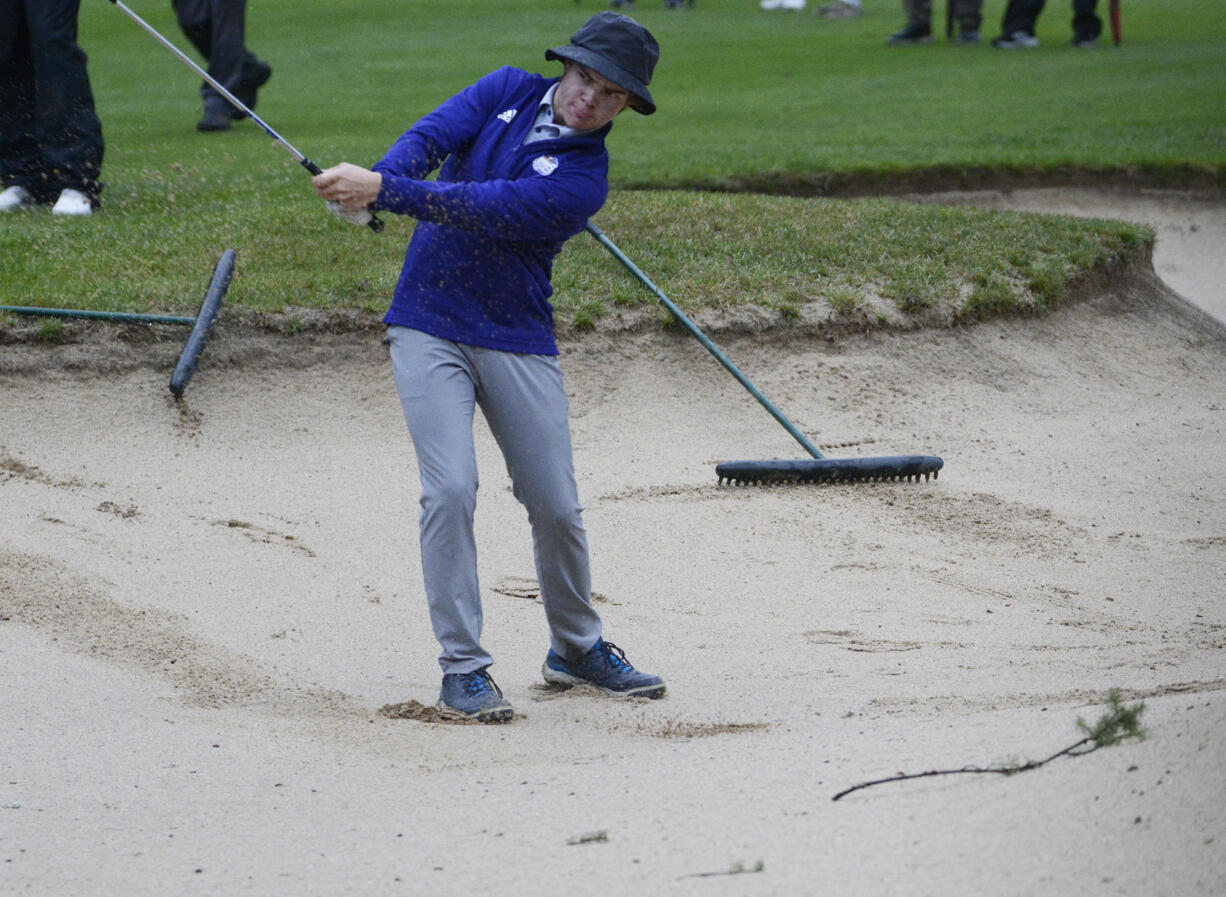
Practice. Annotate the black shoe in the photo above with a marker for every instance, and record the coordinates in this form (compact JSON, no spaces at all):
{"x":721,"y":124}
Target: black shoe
{"x":215,"y":118}
{"x":910,"y":36}
{"x":254,"y":77}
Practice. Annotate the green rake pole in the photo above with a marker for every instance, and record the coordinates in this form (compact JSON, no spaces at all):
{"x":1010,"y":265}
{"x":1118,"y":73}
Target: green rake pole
{"x":818,"y":469}
{"x":702,"y":338}
{"x":201,"y":324}
{"x":118,"y":317}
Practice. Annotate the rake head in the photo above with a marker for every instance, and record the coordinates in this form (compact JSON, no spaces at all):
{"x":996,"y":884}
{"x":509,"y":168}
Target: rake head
{"x":829,"y":470}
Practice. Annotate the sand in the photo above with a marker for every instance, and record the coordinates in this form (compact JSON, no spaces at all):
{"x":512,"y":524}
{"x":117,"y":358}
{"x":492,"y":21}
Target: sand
{"x":204,"y":607}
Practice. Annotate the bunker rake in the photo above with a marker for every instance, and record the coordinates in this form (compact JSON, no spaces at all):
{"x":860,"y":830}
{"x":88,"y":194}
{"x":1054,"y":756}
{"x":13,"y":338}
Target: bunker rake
{"x":201,"y":324}
{"x":818,"y":469}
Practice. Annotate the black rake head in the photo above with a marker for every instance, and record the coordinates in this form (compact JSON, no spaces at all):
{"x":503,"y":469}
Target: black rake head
{"x":829,"y":470}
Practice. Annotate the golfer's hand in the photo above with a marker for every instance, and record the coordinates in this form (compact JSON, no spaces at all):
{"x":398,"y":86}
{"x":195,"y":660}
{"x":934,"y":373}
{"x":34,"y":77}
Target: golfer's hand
{"x":351,"y":186}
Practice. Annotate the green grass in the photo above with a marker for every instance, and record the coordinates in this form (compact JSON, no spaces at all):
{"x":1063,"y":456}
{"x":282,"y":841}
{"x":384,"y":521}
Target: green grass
{"x":787,"y":102}
{"x":870,"y":261}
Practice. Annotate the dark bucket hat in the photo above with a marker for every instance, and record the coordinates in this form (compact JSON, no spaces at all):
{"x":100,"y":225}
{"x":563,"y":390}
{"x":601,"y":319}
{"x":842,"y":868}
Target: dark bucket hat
{"x":618,"y":48}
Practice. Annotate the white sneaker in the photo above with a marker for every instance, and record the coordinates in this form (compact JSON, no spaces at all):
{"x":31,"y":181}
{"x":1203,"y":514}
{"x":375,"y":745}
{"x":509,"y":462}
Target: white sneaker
{"x":1018,"y":40}
{"x":14,"y":198}
{"x":782,"y":4}
{"x":72,"y":202}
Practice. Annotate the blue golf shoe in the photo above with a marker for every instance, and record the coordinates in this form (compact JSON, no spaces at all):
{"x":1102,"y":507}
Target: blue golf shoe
{"x":474,"y":696}
{"x":604,"y":666}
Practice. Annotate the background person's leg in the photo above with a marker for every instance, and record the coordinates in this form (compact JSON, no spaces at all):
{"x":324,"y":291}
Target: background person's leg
{"x":67,"y":129}
{"x":194,"y":22}
{"x":18,"y":151}
{"x":969,"y":14}
{"x":1021,"y":15}
{"x":1087,"y":26}
{"x":228,"y":19}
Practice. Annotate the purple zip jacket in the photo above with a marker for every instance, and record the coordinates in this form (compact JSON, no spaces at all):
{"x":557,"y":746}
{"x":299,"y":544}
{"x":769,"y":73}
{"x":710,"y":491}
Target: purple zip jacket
{"x":478,"y":268}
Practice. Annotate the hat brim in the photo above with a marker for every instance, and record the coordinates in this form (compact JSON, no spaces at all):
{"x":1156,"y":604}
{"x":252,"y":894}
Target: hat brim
{"x":640,"y":97}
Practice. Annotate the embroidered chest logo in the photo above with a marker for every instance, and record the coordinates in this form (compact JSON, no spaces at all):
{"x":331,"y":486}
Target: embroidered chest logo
{"x":507,"y":115}
{"x":545,"y":165}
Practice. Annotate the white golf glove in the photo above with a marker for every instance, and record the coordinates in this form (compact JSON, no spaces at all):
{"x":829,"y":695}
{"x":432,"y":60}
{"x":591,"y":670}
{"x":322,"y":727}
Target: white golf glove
{"x":361,"y":217}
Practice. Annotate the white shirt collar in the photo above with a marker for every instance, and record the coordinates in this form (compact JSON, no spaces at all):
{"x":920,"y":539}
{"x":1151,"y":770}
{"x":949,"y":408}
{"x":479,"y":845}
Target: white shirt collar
{"x":545,"y":127}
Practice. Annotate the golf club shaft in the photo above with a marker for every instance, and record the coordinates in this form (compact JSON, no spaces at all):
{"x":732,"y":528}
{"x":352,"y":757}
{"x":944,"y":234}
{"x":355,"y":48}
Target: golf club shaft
{"x":374,"y":223}
{"x":230,"y":98}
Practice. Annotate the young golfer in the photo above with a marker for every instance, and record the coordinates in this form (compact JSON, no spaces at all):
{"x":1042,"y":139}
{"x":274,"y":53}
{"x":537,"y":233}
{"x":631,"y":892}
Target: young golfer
{"x":524,"y":166}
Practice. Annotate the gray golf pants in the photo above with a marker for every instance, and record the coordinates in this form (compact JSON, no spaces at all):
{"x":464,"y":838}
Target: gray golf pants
{"x":523,"y":400}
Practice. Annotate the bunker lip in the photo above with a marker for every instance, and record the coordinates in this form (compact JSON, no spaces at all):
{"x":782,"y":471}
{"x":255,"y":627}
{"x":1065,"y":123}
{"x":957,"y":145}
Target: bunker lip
{"x":1190,"y":228}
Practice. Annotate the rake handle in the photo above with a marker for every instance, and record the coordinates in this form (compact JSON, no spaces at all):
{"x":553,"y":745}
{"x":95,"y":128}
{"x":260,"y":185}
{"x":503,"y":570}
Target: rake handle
{"x":121,"y":317}
{"x":223,"y":272}
{"x":702,"y":338}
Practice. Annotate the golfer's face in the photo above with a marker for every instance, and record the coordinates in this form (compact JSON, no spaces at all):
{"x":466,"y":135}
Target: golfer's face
{"x":585,"y":100}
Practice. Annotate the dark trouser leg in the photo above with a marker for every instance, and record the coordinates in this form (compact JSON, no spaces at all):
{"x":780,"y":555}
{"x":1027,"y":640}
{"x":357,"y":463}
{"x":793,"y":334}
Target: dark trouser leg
{"x":217,"y":29}
{"x":228,"y":34}
{"x":919,"y":13}
{"x":18,"y":151}
{"x":222,"y":23}
{"x":969,"y":14}
{"x":1086,"y":23}
{"x":1021,"y":15}
{"x":194,"y":22}
{"x":66,"y":128}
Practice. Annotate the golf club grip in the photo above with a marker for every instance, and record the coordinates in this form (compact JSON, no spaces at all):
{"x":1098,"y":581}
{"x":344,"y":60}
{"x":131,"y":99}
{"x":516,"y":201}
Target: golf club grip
{"x":375,"y":223}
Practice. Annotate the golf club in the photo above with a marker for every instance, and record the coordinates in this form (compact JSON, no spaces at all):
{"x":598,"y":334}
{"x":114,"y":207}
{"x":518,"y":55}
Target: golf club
{"x":372,"y":221}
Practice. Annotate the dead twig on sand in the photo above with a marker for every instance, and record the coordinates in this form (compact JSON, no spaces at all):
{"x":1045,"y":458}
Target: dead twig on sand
{"x":735,"y":869}
{"x":1114,"y":726}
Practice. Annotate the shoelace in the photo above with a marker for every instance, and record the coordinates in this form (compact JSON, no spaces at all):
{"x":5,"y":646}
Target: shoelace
{"x":480,"y":682}
{"x":615,"y":656}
